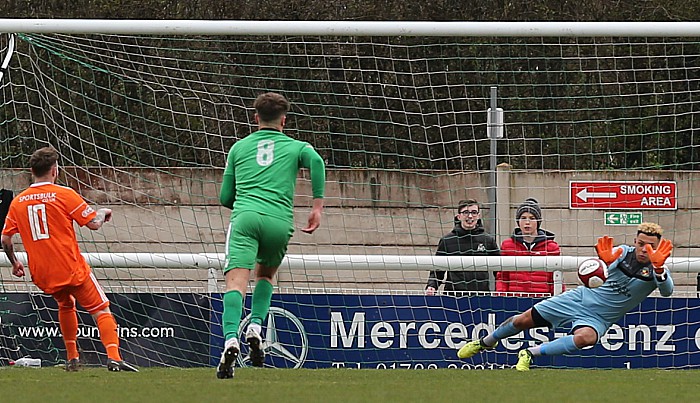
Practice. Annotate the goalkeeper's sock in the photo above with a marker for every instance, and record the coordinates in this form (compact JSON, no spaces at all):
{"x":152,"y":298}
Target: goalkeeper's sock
{"x":536,"y":351}
{"x":504,"y":331}
{"x":68,"y":322}
{"x":233,"y":309}
{"x":108,"y":335}
{"x":262,"y":297}
{"x":563,"y":345}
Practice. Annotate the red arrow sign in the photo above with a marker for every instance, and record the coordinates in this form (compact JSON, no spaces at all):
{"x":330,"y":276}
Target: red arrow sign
{"x":620,"y":195}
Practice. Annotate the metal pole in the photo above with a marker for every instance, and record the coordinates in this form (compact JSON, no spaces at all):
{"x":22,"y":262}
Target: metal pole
{"x":491,"y":222}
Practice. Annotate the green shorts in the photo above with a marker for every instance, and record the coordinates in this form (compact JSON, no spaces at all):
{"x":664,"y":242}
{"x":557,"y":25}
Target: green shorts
{"x":256,"y":238}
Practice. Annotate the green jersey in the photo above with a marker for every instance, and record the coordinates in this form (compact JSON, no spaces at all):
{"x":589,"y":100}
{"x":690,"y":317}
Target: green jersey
{"x":261,"y":173}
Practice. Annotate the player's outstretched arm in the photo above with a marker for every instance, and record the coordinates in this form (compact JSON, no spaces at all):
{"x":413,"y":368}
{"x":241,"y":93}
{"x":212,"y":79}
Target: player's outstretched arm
{"x":605,"y":251}
{"x":103,"y":215}
{"x":9,"y":248}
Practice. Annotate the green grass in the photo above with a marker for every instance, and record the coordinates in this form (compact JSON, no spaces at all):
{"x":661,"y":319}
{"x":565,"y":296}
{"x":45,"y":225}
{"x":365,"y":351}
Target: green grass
{"x":348,"y":385}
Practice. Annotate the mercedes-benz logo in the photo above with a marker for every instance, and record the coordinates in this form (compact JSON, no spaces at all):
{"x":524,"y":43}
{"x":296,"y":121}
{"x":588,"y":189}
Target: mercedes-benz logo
{"x":285,"y":343}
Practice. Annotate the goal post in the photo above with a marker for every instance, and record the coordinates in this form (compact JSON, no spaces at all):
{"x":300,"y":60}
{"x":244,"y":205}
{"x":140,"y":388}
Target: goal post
{"x":353,"y":28}
{"x":144,"y":112}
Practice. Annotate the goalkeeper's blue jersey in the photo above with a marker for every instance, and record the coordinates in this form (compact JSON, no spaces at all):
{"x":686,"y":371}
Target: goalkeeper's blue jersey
{"x":622,"y":292}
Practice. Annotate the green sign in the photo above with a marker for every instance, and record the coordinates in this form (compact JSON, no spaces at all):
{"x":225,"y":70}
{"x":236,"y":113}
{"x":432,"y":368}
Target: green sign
{"x":623,"y":218}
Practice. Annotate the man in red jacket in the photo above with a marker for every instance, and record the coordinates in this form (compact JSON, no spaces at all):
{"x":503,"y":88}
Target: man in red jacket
{"x":528,"y":239}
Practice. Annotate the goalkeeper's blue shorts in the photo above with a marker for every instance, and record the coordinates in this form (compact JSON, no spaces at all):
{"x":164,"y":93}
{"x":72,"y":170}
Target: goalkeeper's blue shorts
{"x":568,"y":308}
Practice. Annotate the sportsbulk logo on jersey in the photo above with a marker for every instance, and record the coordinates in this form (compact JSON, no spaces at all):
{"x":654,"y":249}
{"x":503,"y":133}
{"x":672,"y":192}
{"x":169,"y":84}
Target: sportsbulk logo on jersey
{"x":47,"y":197}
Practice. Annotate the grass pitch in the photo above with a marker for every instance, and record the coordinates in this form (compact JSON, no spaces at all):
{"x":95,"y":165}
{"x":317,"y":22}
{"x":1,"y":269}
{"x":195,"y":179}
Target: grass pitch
{"x":348,"y":385}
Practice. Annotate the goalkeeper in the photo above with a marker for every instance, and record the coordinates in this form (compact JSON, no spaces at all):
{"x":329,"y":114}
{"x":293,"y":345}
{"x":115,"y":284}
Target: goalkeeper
{"x":258,"y":184}
{"x":634,"y":271}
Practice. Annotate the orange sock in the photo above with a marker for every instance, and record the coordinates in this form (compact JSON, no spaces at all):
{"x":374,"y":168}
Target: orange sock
{"x":108,"y":334}
{"x":68,"y":321}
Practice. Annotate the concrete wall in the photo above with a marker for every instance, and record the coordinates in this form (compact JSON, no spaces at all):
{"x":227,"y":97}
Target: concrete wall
{"x":367,"y":212}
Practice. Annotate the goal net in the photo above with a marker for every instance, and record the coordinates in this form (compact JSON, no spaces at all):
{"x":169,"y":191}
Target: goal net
{"x":143,"y":121}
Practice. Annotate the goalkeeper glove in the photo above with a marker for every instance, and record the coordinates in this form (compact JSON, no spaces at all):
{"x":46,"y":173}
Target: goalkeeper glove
{"x":604,"y":248}
{"x":658,"y":257}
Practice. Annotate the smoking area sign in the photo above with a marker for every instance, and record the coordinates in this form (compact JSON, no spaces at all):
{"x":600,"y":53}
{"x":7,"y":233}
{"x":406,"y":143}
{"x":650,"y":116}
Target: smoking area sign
{"x":623,"y":195}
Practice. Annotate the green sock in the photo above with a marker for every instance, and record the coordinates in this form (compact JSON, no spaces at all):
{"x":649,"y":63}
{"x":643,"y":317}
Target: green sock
{"x":262,"y":296}
{"x":233,"y":309}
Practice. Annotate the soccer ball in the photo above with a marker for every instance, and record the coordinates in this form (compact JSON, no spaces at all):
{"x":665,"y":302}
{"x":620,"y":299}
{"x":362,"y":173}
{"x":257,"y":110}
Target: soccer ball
{"x":593,"y":272}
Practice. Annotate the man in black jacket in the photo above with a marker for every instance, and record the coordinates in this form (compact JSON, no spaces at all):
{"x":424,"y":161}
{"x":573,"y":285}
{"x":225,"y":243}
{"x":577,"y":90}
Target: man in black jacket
{"x":468,"y":238}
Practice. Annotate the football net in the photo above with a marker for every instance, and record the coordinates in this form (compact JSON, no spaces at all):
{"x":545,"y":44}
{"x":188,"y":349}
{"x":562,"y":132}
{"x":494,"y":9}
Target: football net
{"x":143,"y":123}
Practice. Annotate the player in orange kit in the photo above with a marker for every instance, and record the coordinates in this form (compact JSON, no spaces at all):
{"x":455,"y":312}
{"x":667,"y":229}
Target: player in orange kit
{"x":43,"y":215}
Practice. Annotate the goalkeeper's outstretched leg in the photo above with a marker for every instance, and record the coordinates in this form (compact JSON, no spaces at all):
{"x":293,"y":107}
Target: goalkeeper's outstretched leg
{"x":472,"y":348}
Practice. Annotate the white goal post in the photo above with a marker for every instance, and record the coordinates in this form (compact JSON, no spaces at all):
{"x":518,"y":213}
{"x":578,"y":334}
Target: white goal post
{"x":355,"y":262}
{"x":352,"y":28}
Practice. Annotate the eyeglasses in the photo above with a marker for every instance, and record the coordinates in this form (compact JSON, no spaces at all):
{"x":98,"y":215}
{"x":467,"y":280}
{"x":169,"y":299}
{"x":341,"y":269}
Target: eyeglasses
{"x":469,"y":212}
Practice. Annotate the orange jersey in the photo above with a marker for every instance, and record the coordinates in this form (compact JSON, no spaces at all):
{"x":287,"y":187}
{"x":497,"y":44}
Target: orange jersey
{"x":43,"y":216}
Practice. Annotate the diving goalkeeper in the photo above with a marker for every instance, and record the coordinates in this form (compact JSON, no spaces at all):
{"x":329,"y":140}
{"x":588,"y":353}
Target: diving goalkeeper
{"x":634,"y":271}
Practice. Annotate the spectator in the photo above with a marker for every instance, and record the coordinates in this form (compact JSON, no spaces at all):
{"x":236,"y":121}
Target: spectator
{"x":528,"y":239}
{"x":468,"y":238}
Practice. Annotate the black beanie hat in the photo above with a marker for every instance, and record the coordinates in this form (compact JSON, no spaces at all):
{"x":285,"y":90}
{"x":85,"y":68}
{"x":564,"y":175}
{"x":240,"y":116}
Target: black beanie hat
{"x":531,"y":206}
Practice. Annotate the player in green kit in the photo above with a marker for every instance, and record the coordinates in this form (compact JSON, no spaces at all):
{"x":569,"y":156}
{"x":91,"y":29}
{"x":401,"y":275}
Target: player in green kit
{"x":258,"y":184}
